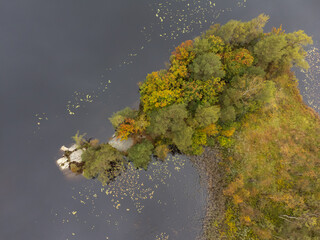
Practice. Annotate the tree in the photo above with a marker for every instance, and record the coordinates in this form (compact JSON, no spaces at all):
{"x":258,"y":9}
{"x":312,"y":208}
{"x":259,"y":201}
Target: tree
{"x":160,"y":89}
{"x":242,"y":33}
{"x":117,"y":118}
{"x":270,"y":49}
{"x":213,"y":44}
{"x":283,"y":49}
{"x":206,"y":115}
{"x":182,"y":137}
{"x":200,"y":91}
{"x":237,"y":61}
{"x":294,"y":51}
{"x":79,"y":139}
{"x":228,"y":114}
{"x":104,"y":162}
{"x":167,"y":119}
{"x":267,"y":93}
{"x":126,"y":128}
{"x":207,"y":66}
{"x":199,"y":138}
{"x":140,"y":154}
{"x":161,"y":151}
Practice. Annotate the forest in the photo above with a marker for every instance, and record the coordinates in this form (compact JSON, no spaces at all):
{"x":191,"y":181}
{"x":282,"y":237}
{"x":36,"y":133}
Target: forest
{"x":231,"y":88}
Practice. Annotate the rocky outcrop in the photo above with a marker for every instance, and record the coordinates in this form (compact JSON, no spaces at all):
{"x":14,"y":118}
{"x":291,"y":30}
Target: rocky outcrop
{"x":71,"y":154}
{"x":121,"y":145}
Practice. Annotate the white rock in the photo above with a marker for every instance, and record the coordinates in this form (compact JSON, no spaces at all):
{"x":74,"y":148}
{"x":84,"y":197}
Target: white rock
{"x":76,"y":156}
{"x":72,"y":148}
{"x":64,"y":148}
{"x":121,"y":145}
{"x":63,"y":163}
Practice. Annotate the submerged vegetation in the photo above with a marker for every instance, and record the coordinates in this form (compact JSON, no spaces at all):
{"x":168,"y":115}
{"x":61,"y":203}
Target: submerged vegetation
{"x":232,"y":89}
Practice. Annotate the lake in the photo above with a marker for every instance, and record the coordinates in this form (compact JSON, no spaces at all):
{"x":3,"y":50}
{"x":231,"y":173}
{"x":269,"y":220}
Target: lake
{"x":67,"y":66}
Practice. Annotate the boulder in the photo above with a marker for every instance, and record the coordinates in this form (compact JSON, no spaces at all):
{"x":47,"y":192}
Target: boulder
{"x":121,"y":145}
{"x":76,"y":156}
{"x":63,"y":163}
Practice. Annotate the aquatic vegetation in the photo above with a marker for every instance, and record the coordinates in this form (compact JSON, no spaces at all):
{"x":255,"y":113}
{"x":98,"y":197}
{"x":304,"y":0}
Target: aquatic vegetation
{"x":231,"y":88}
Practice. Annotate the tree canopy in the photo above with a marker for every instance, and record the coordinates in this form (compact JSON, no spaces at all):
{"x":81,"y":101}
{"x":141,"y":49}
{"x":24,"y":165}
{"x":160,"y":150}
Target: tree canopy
{"x":231,"y":88}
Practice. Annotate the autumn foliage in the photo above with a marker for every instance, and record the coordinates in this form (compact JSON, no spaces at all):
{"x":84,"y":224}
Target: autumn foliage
{"x":232,"y":88}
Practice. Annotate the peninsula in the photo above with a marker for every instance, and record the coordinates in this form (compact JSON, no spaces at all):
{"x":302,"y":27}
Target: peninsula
{"x":229,"y":93}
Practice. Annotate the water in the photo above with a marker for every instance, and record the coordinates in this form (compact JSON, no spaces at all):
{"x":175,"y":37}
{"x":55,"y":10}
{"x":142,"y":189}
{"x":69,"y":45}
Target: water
{"x":67,"y":66}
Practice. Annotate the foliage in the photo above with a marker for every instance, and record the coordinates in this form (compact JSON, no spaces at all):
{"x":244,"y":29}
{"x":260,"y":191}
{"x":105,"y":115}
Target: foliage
{"x":117,"y":118}
{"x":211,"y":130}
{"x":183,"y":53}
{"x":236,"y":62}
{"x":182,"y":137}
{"x":167,"y":120}
{"x":160,"y":89}
{"x":79,"y":139}
{"x":211,"y":43}
{"x":273,"y":171}
{"x":241,"y":33}
{"x":104,"y":162}
{"x":207,"y":66}
{"x":283,"y":49}
{"x":202,"y":91}
{"x":199,"y":139}
{"x":75,"y":167}
{"x":232,"y":89}
{"x":244,"y":94}
{"x":270,"y":49}
{"x":140,"y":154}
{"x":161,"y":151}
{"x":206,"y":115}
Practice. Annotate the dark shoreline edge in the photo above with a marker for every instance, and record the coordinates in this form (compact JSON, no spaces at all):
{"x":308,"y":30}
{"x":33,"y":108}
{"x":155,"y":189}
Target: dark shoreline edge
{"x":211,"y":177}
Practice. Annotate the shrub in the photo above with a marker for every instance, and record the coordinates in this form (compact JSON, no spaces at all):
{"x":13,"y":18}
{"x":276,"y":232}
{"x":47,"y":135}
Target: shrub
{"x":104,"y":162}
{"x":117,"y":118}
{"x":161,"y":151}
{"x":140,"y":154}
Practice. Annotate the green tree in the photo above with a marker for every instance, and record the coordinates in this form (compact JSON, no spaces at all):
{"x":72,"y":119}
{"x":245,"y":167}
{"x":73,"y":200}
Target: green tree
{"x":140,"y":154}
{"x":199,"y":138}
{"x":228,"y":114}
{"x":270,"y":49}
{"x":182,"y":137}
{"x":117,"y":118}
{"x":104,"y":162}
{"x":167,"y":119}
{"x":207,"y":66}
{"x":161,"y":151}
{"x":241,"y":33}
{"x":267,"y":94}
{"x":213,"y":44}
{"x":206,"y":115}
{"x":294,"y":51}
{"x":79,"y":139}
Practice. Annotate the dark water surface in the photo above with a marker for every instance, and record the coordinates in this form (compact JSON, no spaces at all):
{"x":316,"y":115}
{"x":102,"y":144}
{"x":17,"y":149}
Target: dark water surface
{"x":67,"y":66}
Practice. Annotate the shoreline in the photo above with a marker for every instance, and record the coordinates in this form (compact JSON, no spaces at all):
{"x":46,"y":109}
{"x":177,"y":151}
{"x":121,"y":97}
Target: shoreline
{"x":211,"y":177}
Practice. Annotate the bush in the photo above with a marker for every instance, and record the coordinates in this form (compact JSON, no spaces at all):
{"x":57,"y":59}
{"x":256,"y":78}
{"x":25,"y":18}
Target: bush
{"x":161,"y":151}
{"x":104,"y":162}
{"x":117,"y":118}
{"x":207,"y":66}
{"x":140,"y":154}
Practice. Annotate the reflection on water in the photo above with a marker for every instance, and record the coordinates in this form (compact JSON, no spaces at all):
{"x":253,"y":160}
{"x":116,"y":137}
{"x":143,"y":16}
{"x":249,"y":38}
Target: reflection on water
{"x":164,"y":202}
